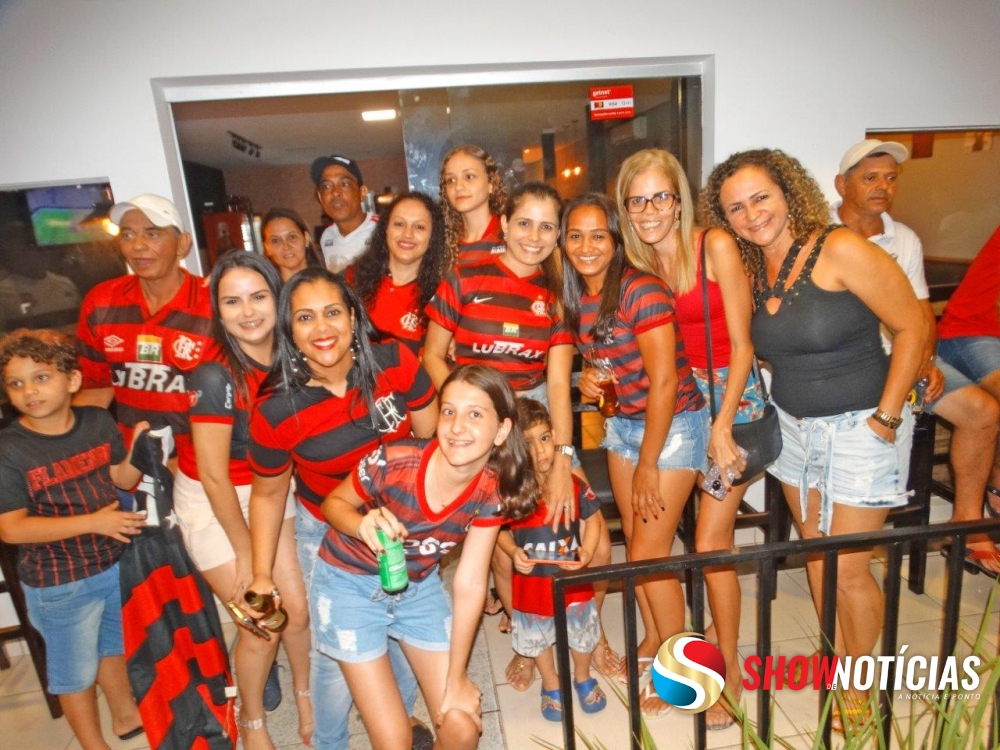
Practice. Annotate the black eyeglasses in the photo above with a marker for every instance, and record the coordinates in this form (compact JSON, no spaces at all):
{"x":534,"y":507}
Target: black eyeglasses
{"x":636,"y":204}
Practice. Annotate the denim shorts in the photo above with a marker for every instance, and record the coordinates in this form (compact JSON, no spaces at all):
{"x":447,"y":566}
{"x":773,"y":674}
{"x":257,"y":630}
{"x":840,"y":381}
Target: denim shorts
{"x":752,"y":404}
{"x":847,"y":462}
{"x":81,"y":623}
{"x":353,"y":618}
{"x":953,"y":380}
{"x":686,"y":446}
{"x":532,"y":634}
{"x":973,"y":356}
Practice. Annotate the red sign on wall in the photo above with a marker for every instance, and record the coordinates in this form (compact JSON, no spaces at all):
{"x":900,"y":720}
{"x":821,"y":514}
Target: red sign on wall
{"x":612,"y":103}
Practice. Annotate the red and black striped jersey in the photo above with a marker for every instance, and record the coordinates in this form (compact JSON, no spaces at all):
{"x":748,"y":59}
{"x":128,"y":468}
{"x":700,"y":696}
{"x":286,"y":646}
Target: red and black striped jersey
{"x":499,"y":319}
{"x":145,"y":357}
{"x":55,"y":476}
{"x":325,"y":436}
{"x":486,"y":247}
{"x":395,"y":312}
{"x":533,"y":592}
{"x":393,"y":476}
{"x":215,"y":398}
{"x":645,"y":303}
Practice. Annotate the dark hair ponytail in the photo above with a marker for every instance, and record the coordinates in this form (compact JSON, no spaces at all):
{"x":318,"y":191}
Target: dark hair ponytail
{"x":510,"y":461}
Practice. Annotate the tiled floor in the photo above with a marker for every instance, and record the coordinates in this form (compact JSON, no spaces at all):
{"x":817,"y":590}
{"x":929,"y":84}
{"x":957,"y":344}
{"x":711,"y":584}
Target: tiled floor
{"x":512,"y":719}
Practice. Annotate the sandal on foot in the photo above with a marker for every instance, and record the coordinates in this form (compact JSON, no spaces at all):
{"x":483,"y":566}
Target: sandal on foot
{"x":132,"y":733}
{"x":305,"y":729}
{"x":974,"y":560}
{"x":551,"y":707}
{"x":649,"y":692}
{"x":855,"y":713}
{"x":607,"y":662}
{"x":520,"y":672}
{"x":721,"y":715}
{"x":493,"y":604}
{"x":505,"y":624}
{"x":645,"y":668}
{"x":592,"y":698}
{"x":987,"y":505}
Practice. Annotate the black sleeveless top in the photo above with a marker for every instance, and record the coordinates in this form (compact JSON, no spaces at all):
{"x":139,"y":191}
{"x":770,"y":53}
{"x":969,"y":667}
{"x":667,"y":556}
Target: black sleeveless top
{"x":824,"y":347}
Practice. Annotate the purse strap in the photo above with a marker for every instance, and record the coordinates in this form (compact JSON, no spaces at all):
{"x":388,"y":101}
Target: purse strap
{"x":754,"y":365}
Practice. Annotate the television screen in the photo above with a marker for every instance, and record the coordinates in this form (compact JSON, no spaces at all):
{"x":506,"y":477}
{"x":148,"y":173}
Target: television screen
{"x":69,"y":214}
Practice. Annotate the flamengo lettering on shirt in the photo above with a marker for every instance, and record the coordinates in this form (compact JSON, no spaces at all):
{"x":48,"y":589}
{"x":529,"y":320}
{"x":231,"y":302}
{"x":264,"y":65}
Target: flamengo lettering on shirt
{"x":69,"y":468}
{"x":514,"y":348}
{"x":147,"y":377}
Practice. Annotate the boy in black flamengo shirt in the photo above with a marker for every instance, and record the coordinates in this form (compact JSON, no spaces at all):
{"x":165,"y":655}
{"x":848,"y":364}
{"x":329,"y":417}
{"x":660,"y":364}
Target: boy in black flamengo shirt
{"x":538,"y":553}
{"x":59,"y":467}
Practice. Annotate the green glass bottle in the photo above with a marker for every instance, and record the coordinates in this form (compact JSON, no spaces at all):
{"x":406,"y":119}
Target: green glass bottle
{"x":392,"y":570}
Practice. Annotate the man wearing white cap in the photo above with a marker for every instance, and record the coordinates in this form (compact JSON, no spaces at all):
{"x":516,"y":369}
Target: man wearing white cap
{"x":867,"y":183}
{"x":140,"y":333}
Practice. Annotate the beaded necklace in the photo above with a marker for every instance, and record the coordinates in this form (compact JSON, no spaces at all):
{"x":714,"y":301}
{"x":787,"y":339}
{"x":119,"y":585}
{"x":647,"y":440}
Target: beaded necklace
{"x":766,"y":291}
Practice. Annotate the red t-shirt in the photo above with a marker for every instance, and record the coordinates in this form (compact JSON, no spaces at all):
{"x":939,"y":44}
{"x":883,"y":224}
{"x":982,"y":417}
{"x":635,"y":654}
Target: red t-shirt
{"x":645,"y":303}
{"x":145,"y":357}
{"x":972,"y":309}
{"x":499,"y":319}
{"x":533,"y":593}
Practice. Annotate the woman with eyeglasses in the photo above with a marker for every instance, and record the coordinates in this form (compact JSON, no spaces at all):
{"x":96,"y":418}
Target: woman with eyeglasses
{"x":623,"y":322}
{"x":333,"y":395}
{"x":820,"y":293}
{"x":287,"y":243}
{"x":661,"y":238}
{"x":401,"y":269}
{"x":472,"y":198}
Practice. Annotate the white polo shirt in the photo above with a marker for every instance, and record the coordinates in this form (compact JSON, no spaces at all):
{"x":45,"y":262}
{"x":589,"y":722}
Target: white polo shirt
{"x":339,"y":251}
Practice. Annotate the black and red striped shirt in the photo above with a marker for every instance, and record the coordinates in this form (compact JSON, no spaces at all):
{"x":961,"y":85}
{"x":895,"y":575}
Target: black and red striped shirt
{"x":486,"y":247}
{"x":645,"y":303}
{"x":145,"y":357}
{"x":325,"y":436}
{"x":215,"y":399}
{"x":394,"y":476}
{"x":500,"y":320}
{"x":395,"y":311}
{"x":55,"y":476}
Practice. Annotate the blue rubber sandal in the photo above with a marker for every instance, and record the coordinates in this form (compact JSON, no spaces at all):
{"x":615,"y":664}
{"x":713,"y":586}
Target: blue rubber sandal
{"x":592,"y":698}
{"x":551,"y":707}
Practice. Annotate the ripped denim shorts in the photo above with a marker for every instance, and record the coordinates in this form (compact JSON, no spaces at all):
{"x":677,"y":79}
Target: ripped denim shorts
{"x":847,"y":462}
{"x":353,"y":618}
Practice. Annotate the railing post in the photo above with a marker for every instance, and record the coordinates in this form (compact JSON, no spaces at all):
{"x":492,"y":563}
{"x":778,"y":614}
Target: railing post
{"x":767,"y":586}
{"x":562,"y":663}
{"x":890,"y":630}
{"x":828,"y":633}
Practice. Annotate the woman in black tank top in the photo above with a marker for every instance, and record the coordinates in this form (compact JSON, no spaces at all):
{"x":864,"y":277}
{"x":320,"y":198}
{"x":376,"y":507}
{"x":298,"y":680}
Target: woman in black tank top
{"x":819,"y":295}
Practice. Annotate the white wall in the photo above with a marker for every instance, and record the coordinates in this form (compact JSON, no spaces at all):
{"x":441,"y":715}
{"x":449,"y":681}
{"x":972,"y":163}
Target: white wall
{"x":75,"y":97}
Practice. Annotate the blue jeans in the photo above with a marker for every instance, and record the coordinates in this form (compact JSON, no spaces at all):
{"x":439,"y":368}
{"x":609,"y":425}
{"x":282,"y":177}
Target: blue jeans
{"x":973,"y":356}
{"x":331,"y":698}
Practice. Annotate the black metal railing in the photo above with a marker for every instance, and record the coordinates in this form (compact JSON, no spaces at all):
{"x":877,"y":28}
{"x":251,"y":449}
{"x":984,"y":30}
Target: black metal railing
{"x":896,"y":542}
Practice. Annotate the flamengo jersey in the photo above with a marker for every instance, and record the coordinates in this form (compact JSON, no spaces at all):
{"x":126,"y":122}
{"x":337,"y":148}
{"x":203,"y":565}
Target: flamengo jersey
{"x":393,"y":476}
{"x":324,"y":435}
{"x":215,"y":399}
{"x":486,"y":247}
{"x":645,"y":303}
{"x":145,"y":357}
{"x":54,"y":476}
{"x":499,"y":320}
{"x":533,"y":592}
{"x":395,"y":312}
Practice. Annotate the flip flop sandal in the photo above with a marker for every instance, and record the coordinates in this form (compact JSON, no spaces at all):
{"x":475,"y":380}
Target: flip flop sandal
{"x":493,"y":605}
{"x":551,"y":707}
{"x":649,"y":692}
{"x":855,"y":713}
{"x":592,"y":698}
{"x":644,"y":671}
{"x":973,"y":560}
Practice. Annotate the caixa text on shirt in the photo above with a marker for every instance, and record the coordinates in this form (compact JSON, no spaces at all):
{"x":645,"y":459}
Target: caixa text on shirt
{"x":142,"y":376}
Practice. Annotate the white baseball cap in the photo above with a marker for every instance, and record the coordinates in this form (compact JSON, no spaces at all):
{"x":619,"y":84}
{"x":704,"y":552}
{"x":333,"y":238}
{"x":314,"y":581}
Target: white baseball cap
{"x":859,"y":151}
{"x":159,"y":210}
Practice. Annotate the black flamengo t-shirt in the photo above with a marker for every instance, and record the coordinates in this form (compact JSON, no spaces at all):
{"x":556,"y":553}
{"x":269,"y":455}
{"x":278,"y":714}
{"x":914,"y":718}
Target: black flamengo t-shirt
{"x":55,"y":476}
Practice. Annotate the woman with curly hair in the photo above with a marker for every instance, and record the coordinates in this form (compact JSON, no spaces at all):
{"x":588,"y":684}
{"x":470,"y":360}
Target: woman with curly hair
{"x":820,"y":293}
{"x":286,"y":240}
{"x":661,"y":238}
{"x":402,"y":267}
{"x":472,"y":198}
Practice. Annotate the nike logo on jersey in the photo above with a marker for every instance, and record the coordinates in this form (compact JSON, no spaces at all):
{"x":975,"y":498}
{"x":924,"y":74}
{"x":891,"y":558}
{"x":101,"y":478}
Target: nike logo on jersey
{"x":479,"y":300}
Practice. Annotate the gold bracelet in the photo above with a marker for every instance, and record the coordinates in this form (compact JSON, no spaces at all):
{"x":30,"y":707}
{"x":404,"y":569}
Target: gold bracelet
{"x":886,"y":419}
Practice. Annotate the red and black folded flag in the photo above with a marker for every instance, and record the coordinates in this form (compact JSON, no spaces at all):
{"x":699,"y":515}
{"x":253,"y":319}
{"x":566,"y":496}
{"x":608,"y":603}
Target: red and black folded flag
{"x":177,"y":660}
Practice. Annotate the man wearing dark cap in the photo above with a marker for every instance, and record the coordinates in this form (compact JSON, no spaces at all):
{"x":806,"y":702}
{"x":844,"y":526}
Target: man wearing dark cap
{"x":340,"y":189}
{"x":867,"y":184}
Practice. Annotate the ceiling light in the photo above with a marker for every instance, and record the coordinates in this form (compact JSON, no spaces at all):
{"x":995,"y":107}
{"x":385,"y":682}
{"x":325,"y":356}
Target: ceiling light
{"x":374,"y":115}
